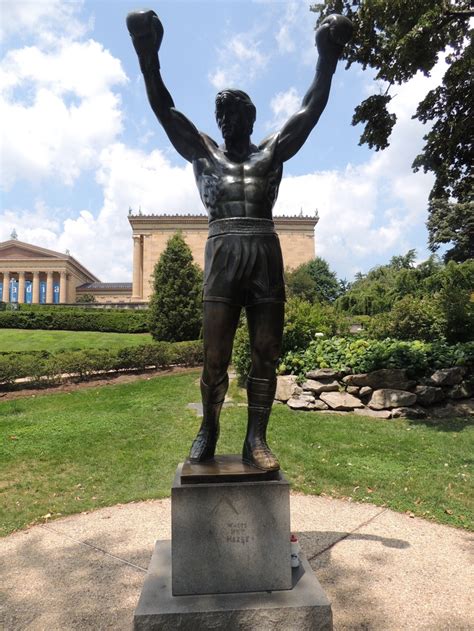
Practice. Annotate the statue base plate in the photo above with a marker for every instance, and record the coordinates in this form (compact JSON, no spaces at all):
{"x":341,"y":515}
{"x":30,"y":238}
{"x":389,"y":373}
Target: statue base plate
{"x":226,"y":468}
{"x":305,"y":607}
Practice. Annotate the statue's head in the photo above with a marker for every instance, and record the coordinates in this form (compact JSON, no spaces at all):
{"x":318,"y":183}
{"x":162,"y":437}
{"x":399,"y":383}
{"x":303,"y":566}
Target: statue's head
{"x":235,"y":113}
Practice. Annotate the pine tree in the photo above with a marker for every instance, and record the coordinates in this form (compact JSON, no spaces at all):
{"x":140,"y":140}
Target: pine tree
{"x":175,"y":306}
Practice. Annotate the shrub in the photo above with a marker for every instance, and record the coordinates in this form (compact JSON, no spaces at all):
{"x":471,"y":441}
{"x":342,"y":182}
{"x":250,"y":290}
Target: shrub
{"x":411,"y":318}
{"x":75,"y":319}
{"x":175,"y":306}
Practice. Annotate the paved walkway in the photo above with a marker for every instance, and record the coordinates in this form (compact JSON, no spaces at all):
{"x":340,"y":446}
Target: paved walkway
{"x":381,"y":570}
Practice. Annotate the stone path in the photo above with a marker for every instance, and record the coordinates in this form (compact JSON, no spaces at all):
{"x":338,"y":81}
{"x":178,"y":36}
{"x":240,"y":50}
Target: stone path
{"x":381,"y":570}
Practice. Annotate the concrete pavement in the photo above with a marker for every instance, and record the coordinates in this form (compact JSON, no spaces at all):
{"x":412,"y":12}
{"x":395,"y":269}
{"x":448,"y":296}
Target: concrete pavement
{"x":380,"y":569}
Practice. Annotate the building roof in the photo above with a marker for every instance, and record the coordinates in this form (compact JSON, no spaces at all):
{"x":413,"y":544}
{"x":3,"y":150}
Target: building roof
{"x":15,"y":250}
{"x":98,"y":287}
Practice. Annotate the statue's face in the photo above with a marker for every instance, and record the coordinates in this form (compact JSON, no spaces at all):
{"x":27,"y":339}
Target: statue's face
{"x":233,"y":120}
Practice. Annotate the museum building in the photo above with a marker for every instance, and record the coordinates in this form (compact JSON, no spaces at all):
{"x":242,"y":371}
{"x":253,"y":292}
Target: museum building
{"x":35,"y":275}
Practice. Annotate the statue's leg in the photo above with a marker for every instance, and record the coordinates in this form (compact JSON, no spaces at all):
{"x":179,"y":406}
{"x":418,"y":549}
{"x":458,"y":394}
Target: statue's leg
{"x":266,"y":329}
{"x":220,"y":322}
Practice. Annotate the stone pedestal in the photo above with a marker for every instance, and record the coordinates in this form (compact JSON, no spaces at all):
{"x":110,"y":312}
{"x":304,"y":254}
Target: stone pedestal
{"x":230,"y":537}
{"x":302,"y":608}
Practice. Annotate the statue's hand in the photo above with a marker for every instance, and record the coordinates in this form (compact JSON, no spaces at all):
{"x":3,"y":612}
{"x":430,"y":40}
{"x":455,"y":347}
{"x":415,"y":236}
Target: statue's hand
{"x":332,"y":35}
{"x":146,"y":31}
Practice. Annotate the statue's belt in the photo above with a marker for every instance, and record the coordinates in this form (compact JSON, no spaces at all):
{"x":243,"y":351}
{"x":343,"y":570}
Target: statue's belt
{"x":241,"y":225}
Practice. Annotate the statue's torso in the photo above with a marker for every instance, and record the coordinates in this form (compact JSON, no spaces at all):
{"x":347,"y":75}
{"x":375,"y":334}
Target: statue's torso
{"x":238,"y":189}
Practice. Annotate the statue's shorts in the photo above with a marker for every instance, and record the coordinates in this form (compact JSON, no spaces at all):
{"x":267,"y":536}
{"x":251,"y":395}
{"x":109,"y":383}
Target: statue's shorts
{"x":243,"y":262}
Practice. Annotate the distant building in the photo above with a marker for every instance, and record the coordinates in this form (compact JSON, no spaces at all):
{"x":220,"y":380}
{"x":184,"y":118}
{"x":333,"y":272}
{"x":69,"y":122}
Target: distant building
{"x":32,"y":274}
{"x":151,"y":232}
{"x":36,"y":275}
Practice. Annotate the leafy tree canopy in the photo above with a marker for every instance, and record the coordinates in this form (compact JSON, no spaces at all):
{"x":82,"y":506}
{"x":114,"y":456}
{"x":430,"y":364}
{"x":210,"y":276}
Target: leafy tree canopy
{"x":399,"y":38}
{"x":175,"y":306}
{"x":314,"y":281}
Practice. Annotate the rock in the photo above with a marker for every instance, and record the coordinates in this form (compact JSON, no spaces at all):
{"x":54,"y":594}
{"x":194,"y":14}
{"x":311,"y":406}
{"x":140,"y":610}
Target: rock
{"x":373,"y":413}
{"x":317,"y":386}
{"x":366,"y":391}
{"x":387,"y":398}
{"x":453,"y":409}
{"x":447,"y":376}
{"x":395,"y":378}
{"x":340,"y":400}
{"x":413,"y":412}
{"x":354,"y":390}
{"x":426,"y":395}
{"x":302,"y":402}
{"x":320,"y":405}
{"x":322,"y":373}
{"x":286,"y":387}
{"x":461,"y":390}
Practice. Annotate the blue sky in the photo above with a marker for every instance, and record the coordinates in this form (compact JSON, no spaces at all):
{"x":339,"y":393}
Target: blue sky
{"x":80,"y":143}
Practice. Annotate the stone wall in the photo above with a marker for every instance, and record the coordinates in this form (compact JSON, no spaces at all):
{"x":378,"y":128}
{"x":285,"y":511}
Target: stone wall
{"x":386,"y":393}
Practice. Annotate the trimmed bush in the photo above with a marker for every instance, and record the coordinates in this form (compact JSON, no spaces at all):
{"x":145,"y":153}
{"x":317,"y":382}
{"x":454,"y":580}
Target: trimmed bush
{"x":75,"y":319}
{"x":82,"y":364}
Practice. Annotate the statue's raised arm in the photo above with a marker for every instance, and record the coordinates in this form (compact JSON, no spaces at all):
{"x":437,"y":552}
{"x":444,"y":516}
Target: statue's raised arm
{"x":331,"y":36}
{"x":146,"y":32}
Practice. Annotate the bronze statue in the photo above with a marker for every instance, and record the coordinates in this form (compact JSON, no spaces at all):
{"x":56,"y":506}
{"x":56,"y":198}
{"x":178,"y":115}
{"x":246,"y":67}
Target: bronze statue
{"x":238,"y":183}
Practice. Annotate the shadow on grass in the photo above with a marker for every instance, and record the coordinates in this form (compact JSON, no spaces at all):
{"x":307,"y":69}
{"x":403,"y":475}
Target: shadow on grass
{"x":444,"y":424}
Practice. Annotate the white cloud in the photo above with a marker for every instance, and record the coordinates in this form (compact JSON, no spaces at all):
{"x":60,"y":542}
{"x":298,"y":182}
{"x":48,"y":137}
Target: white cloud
{"x":240,"y":61}
{"x":102,"y":243}
{"x":42,"y":18}
{"x":284,"y":105}
{"x":56,"y":114}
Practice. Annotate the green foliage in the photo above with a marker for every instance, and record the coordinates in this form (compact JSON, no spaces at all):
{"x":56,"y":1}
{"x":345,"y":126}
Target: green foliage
{"x":399,"y":38}
{"x":175,"y":306}
{"x":86,"y":298}
{"x":365,"y":355}
{"x":314,"y":281}
{"x":302,"y":321}
{"x":411,"y":318}
{"x":75,"y":319}
{"x":42,"y":366}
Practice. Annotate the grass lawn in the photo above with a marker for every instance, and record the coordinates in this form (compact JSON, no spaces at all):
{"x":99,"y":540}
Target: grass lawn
{"x":39,"y":340}
{"x":71,"y":452}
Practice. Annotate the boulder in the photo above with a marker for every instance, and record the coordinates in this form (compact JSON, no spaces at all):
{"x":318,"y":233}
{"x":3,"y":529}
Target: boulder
{"x":387,"y":398}
{"x":447,"y":376}
{"x":453,"y":409}
{"x":302,"y":402}
{"x":413,"y":412}
{"x":426,"y":395}
{"x":286,"y":388}
{"x":318,"y":386}
{"x":461,"y":390}
{"x":320,"y":405}
{"x":373,"y":413}
{"x":341,"y":401}
{"x":354,"y":390}
{"x":322,"y":373}
{"x":366,"y":391}
{"x":395,"y":378}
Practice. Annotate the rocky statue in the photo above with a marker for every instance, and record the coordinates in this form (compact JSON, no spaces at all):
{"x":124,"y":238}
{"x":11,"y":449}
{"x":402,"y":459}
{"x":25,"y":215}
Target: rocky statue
{"x":238,"y":184}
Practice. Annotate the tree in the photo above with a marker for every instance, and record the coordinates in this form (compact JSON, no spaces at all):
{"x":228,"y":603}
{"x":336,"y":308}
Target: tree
{"x":398,"y":38}
{"x":175,"y":306}
{"x":314,"y":281}
{"x":86,"y":298}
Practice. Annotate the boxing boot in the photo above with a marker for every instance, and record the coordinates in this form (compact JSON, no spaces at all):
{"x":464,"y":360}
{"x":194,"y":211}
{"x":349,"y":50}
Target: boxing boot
{"x":260,"y":395}
{"x":204,"y":445}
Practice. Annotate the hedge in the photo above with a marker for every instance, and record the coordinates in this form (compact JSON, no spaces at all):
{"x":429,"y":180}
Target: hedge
{"x":75,"y":319}
{"x":51,"y":367}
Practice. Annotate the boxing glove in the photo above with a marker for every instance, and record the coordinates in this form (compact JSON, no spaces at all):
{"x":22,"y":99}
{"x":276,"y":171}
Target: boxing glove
{"x":146,"y":32}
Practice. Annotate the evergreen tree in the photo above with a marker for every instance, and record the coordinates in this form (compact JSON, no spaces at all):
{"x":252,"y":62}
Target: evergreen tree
{"x":399,"y":38}
{"x":175,"y":306}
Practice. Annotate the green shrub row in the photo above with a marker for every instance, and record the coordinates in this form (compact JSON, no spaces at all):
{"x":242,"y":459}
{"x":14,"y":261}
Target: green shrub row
{"x":75,"y":319}
{"x":365,"y":355}
{"x":51,"y":367}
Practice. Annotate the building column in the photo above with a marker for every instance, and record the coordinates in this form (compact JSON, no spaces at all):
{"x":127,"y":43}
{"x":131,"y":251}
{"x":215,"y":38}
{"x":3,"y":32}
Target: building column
{"x":63,"y":288}
{"x":35,"y":298}
{"x":49,"y":288}
{"x":21,"y":287}
{"x":137,"y":289}
{"x":6,"y":287}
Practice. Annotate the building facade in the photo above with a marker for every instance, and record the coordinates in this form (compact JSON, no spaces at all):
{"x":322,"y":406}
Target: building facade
{"x":150,"y":234}
{"x":35,"y":275}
